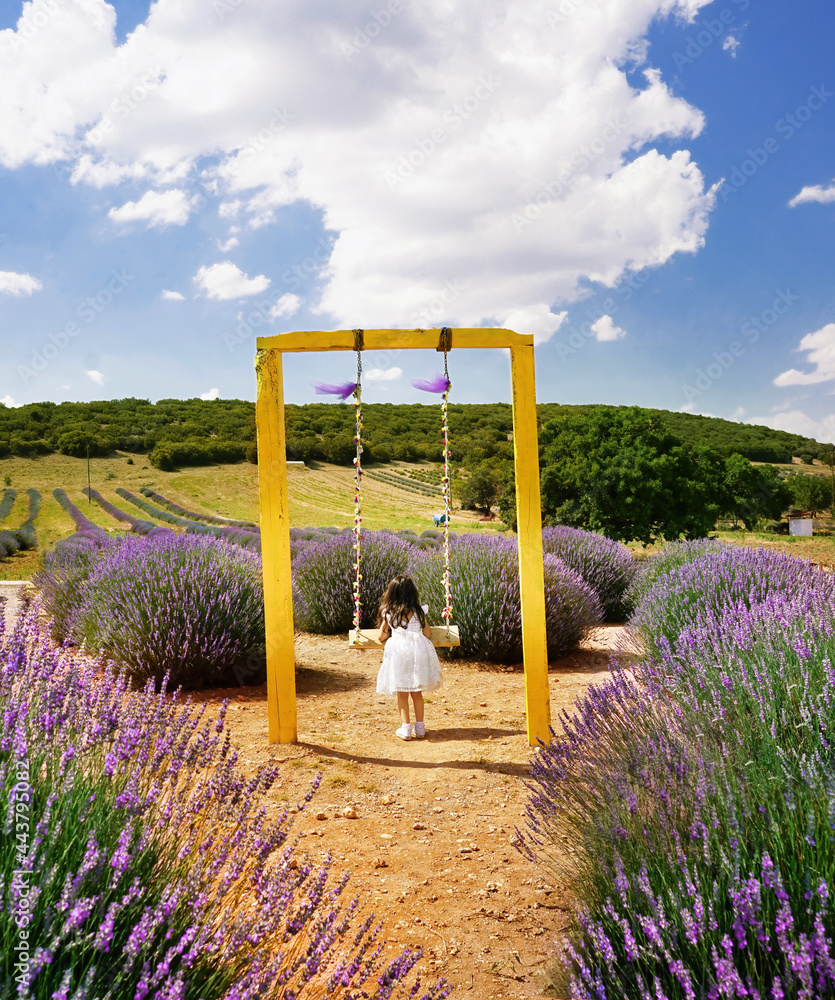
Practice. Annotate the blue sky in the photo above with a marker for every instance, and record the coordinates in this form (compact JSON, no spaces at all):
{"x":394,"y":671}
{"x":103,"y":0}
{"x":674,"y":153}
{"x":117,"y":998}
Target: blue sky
{"x":644,"y":185}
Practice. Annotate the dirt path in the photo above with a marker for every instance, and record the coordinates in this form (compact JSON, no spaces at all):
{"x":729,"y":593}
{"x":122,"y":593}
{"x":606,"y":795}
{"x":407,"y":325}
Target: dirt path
{"x":426,"y":828}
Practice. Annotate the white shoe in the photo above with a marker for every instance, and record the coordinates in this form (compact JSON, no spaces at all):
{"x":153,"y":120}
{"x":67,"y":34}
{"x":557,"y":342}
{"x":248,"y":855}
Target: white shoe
{"x":404,"y":732}
{"x":420,"y":730}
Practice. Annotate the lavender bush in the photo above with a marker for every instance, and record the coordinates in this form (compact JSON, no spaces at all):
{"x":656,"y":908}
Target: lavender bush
{"x":607,"y":566}
{"x":139,"y":861}
{"x":62,"y":582}
{"x":323,"y":579}
{"x":712,"y":582}
{"x":484,"y":575}
{"x":667,"y":560}
{"x":191,"y":608}
{"x":695,"y":790}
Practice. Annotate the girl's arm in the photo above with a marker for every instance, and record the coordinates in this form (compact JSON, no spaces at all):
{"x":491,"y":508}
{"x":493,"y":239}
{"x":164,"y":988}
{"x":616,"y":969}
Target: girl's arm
{"x":385,"y":631}
{"x":427,"y":628}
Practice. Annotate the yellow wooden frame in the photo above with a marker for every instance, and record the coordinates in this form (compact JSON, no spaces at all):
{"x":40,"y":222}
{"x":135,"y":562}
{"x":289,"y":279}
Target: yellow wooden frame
{"x":275,"y":511}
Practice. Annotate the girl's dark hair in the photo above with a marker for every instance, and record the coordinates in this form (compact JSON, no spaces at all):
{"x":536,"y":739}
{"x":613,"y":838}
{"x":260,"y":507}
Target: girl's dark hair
{"x":400,"y":602}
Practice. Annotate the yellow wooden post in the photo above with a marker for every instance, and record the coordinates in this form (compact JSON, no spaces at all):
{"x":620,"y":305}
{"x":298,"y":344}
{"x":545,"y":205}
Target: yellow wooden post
{"x":531,"y":573}
{"x":275,"y":549}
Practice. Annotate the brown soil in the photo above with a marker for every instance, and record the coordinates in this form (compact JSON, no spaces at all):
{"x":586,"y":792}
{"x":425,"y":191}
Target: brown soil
{"x":431,"y":848}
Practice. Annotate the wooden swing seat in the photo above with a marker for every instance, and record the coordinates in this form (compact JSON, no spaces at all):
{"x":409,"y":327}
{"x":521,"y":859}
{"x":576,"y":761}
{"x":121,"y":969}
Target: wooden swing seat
{"x":369,"y":638}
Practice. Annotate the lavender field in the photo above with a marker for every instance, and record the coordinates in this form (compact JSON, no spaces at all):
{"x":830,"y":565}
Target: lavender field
{"x":698,"y":792}
{"x":695,"y":789}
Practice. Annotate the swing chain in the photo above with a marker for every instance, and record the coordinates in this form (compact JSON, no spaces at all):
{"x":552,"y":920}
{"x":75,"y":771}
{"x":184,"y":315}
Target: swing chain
{"x":358,"y":347}
{"x":445,"y":344}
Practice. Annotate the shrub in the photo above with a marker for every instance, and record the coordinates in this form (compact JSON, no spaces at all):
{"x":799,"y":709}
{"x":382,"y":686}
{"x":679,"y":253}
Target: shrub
{"x":734,"y":576}
{"x":484,"y":580}
{"x":607,"y":566}
{"x":696,"y":792}
{"x":667,"y":560}
{"x":323,"y":580}
{"x":150,"y":868}
{"x":174,"y":604}
{"x":162,"y":459}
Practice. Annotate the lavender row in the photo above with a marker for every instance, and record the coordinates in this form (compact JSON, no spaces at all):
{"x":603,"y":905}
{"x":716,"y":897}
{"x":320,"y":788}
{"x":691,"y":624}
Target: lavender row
{"x":484,"y":572}
{"x":24,"y":537}
{"x":239,"y":537}
{"x":6,"y":504}
{"x":136,"y":524}
{"x":144,"y":862}
{"x":81,"y":522}
{"x":191,"y":515}
{"x":695,"y":791}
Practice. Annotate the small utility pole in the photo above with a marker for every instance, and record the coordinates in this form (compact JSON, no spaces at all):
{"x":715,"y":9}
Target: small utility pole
{"x":832,"y":473}
{"x":89,"y":498}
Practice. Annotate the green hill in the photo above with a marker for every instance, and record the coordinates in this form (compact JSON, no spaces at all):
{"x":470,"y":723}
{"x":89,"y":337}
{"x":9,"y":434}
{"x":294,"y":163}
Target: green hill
{"x":199,"y":432}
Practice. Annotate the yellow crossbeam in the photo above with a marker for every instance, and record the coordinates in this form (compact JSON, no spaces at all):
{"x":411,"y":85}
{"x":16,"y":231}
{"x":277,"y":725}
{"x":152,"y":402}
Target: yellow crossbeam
{"x":386,"y":340}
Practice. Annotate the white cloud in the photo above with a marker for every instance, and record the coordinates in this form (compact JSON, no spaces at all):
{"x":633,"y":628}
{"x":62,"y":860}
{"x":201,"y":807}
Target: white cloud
{"x":691,"y":408}
{"x":211,"y":394}
{"x":491,"y":146}
{"x":158,"y":208}
{"x":818,"y":193}
{"x":738,"y":414}
{"x":8,"y":401}
{"x":538,"y":320}
{"x":229,"y":244}
{"x":821,"y":348}
{"x":382,"y":374}
{"x":97,"y":377}
{"x":287,"y":305}
{"x":731,"y":44}
{"x":229,"y":209}
{"x":12,"y":283}
{"x":604,"y":329}
{"x":796,"y":422}
{"x":227,"y":281}
{"x":173,"y":296}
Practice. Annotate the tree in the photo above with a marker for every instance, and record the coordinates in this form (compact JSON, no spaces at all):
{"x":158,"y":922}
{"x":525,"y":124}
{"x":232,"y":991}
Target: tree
{"x":616,"y":470}
{"x":811,"y":493}
{"x":753,"y":492}
{"x":481,"y":490}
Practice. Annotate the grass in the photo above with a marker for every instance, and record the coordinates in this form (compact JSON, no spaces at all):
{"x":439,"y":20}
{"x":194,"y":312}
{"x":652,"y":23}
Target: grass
{"x":319,"y":496}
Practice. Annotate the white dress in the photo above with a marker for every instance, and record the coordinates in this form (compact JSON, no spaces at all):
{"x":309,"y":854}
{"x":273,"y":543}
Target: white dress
{"x":410,"y":662}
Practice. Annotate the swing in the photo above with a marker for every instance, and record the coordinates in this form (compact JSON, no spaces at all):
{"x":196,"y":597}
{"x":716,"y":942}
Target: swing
{"x":445,"y":635}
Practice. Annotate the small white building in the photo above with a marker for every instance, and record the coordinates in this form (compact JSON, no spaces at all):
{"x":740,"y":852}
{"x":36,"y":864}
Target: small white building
{"x":801,"y":526}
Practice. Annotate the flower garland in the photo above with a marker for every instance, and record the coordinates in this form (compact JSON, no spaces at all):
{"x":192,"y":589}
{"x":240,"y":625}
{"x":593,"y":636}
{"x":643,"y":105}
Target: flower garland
{"x":357,"y":488}
{"x":441,"y":383}
{"x":447,"y":491}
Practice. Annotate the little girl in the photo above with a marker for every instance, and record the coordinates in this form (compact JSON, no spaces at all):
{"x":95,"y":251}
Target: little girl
{"x":410,"y":663}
